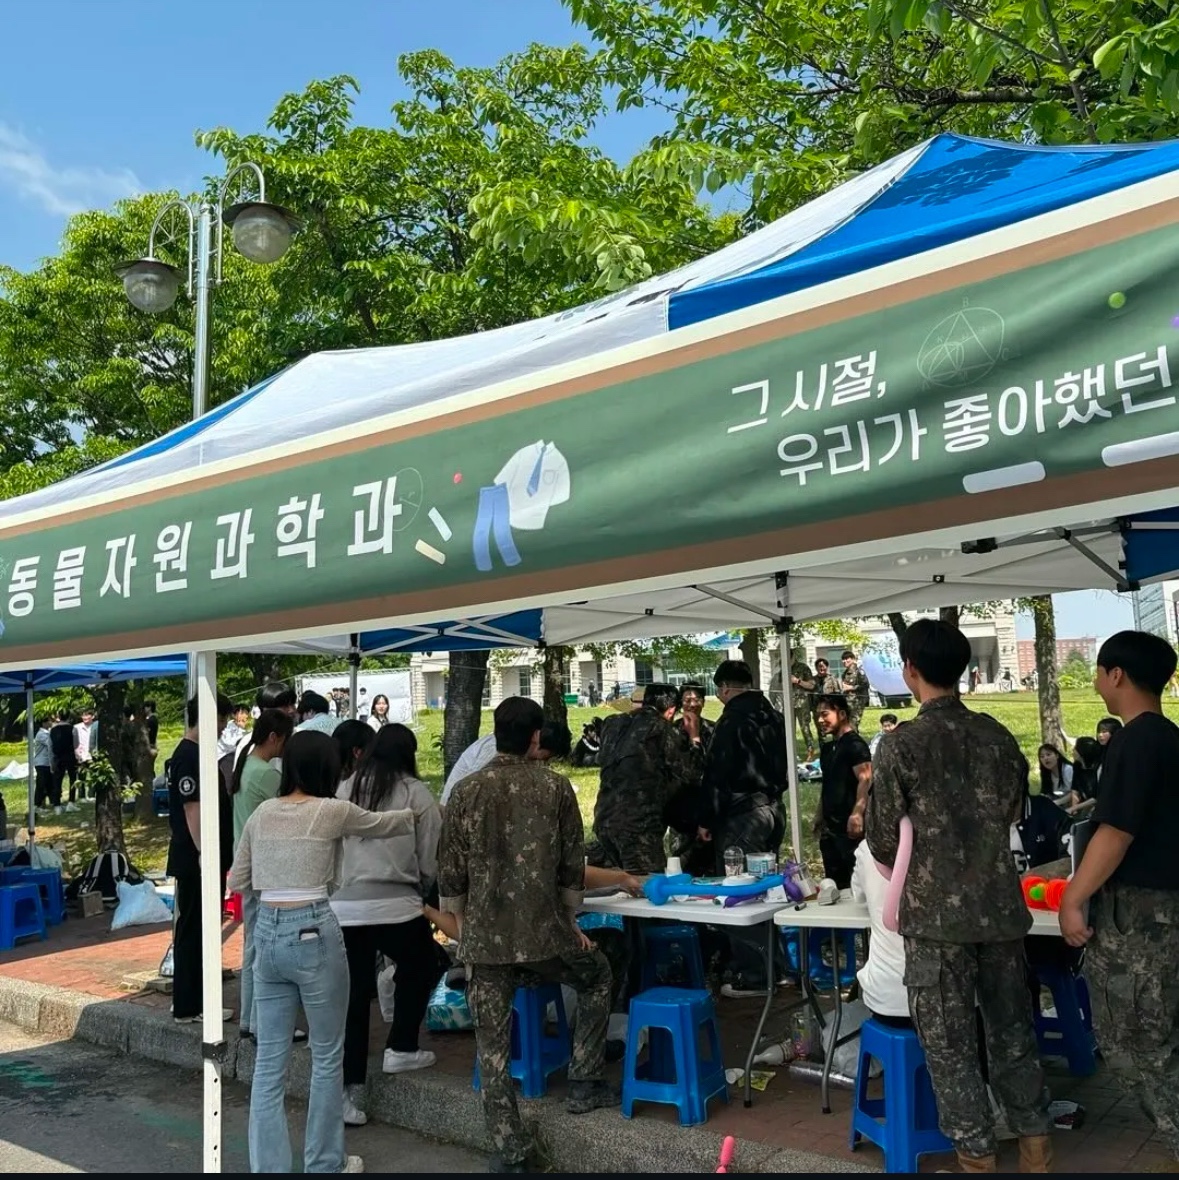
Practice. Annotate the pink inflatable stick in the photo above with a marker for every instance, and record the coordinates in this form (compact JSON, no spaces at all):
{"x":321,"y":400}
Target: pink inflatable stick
{"x":726,"y":1153}
{"x":897,"y":874}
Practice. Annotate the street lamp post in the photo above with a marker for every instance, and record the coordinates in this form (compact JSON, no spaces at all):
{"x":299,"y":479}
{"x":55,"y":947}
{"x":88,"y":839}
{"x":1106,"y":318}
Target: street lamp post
{"x":262,"y":232}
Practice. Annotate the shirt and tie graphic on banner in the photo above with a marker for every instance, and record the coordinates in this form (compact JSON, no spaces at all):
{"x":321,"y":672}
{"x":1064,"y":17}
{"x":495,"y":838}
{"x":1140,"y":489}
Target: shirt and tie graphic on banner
{"x":534,"y":479}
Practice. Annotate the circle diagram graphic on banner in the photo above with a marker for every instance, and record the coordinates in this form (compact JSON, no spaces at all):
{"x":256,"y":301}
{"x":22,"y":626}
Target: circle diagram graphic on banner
{"x":964,"y":347}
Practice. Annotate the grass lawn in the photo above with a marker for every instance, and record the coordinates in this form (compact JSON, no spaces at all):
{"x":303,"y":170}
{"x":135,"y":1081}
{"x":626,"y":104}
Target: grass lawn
{"x":147,"y":842}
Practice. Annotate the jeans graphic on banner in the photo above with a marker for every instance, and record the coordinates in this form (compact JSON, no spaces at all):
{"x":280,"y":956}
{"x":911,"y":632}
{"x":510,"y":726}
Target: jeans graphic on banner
{"x":298,"y":958}
{"x":494,"y":515}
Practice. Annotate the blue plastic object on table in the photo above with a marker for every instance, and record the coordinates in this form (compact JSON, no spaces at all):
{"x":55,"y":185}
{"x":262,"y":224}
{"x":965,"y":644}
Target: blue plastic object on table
{"x":21,"y":914}
{"x":903,"y":1124}
{"x":660,"y":890}
{"x":674,"y":1073}
{"x":535,"y":1053}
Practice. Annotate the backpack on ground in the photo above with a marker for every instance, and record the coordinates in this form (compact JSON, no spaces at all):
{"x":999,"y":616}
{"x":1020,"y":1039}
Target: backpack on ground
{"x":102,"y":876}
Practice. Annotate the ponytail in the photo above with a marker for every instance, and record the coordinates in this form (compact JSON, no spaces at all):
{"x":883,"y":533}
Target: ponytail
{"x":271,"y":723}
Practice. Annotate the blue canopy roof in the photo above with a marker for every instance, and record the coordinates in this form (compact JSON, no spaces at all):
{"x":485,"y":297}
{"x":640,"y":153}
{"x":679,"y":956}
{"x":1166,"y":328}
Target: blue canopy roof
{"x":83,"y":675}
{"x":1152,"y":545}
{"x":957,"y":188}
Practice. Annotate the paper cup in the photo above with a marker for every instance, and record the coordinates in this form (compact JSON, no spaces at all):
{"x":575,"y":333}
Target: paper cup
{"x":673,"y":866}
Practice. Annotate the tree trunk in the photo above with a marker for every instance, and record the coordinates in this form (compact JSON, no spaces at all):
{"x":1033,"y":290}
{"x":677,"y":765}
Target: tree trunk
{"x":950,"y":614}
{"x":108,"y":799}
{"x":1044,"y":617}
{"x":556,"y":660}
{"x":898,"y":624}
{"x":751,"y":653}
{"x":464,"y":704}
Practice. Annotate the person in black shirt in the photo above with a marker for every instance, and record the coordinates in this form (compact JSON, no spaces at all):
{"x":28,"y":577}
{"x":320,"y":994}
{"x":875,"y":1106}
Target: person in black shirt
{"x":65,"y":760}
{"x":152,"y":724}
{"x":184,"y":860}
{"x":846,"y":763}
{"x":1130,"y":879}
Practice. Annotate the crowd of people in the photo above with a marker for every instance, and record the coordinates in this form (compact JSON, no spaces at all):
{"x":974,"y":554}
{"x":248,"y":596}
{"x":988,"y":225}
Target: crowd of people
{"x":343,"y":856}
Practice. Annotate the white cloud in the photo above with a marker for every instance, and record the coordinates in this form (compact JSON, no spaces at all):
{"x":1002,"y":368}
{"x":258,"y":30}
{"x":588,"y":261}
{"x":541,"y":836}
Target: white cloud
{"x":24,"y":169}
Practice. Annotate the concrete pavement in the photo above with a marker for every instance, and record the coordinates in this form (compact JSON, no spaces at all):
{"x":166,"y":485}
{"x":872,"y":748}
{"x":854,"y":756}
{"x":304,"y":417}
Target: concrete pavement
{"x":69,"y":1107}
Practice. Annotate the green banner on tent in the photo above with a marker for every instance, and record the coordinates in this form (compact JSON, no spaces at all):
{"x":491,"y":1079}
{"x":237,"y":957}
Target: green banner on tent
{"x":1060,"y":368}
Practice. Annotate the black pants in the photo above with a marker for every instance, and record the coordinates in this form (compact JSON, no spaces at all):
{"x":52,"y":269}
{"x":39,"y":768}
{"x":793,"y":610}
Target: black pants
{"x":187,"y":982}
{"x":44,"y":792}
{"x":411,"y":946}
{"x":59,"y":773}
{"x":839,"y":857}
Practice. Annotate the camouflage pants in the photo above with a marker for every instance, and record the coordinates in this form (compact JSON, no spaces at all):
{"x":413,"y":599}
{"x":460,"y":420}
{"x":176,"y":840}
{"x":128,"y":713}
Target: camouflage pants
{"x":636,"y":850}
{"x":945,"y":980}
{"x":1132,"y":967}
{"x":855,"y":711}
{"x":802,"y":714}
{"x":490,"y":990}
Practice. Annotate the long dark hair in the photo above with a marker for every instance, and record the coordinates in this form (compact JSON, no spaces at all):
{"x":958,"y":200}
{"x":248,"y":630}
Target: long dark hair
{"x":351,"y":736}
{"x":311,"y":764}
{"x":392,"y":757}
{"x":372,"y":709}
{"x":270,"y":723}
{"x":1046,"y":787}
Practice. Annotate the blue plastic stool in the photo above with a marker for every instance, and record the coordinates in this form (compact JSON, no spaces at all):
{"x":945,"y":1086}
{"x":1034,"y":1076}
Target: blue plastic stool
{"x":52,"y":891}
{"x":535,"y":1053}
{"x":672,"y":950}
{"x":903,"y":1124}
{"x":675,"y":1073}
{"x":818,"y":939}
{"x":21,"y":915}
{"x":1069,"y":1033}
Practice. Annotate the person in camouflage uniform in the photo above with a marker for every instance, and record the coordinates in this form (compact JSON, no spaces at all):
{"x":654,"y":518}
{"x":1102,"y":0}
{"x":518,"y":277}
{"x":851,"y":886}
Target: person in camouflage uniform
{"x":511,"y":867}
{"x":802,"y":699}
{"x":645,"y":765}
{"x":1129,"y":876}
{"x":855,"y":687}
{"x":959,"y":777}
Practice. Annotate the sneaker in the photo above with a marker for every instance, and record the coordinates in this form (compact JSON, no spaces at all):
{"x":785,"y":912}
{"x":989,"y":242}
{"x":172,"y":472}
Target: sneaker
{"x":71,"y":807}
{"x":395,"y":1062}
{"x":587,"y":1096}
{"x":226,"y":1014}
{"x":58,"y":810}
{"x":353,"y":1115}
{"x":353,"y":1163}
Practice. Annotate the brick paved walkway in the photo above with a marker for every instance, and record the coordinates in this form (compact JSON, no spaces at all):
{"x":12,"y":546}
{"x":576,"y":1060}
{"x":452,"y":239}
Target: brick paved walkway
{"x":83,"y":955}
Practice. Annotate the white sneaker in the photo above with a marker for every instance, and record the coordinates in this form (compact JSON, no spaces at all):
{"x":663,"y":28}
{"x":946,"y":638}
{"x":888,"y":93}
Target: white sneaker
{"x":353,"y":1115}
{"x":58,"y":810}
{"x":226,"y":1014}
{"x":353,"y":1163}
{"x":71,"y":807}
{"x":395,"y":1062}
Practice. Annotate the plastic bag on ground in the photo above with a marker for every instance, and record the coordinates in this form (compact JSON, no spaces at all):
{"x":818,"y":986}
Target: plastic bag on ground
{"x":139,"y":905}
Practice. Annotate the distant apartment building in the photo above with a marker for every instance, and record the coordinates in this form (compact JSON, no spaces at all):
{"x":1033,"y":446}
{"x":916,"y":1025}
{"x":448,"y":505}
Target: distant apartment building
{"x":1086,"y":645}
{"x":1156,"y":609}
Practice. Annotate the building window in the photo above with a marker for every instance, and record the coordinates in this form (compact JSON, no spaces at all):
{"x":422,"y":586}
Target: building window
{"x":644,"y":673}
{"x":525,"y":682}
{"x":485,"y":702}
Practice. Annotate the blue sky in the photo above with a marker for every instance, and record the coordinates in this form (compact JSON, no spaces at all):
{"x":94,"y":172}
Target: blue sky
{"x":99,"y":100}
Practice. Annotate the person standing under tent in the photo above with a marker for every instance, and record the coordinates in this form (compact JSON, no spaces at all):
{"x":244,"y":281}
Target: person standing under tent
{"x":511,"y":869}
{"x":802,"y":686}
{"x":288,"y":854}
{"x":254,"y":781}
{"x":855,"y":687}
{"x":379,"y":905}
{"x":274,"y":695}
{"x":65,"y":760}
{"x":960,"y":778}
{"x":846,"y":764}
{"x":314,"y":714}
{"x":363,"y":707}
{"x":555,"y":742}
{"x":1129,"y":880}
{"x":184,"y":861}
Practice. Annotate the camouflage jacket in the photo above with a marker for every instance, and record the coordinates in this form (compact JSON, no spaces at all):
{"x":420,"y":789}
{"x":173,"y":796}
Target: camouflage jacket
{"x":798,"y":692}
{"x":645,"y":763}
{"x":960,"y":778}
{"x":854,"y":683}
{"x":511,"y":861}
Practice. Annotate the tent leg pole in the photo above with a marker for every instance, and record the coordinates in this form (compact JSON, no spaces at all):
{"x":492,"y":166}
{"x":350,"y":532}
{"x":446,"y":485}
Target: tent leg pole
{"x":354,"y":675}
{"x":31,"y":734}
{"x":212,"y":901}
{"x":791,"y":755}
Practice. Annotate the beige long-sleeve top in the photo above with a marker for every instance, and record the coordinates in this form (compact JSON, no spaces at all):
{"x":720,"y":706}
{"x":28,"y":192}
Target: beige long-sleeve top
{"x":287,"y":845}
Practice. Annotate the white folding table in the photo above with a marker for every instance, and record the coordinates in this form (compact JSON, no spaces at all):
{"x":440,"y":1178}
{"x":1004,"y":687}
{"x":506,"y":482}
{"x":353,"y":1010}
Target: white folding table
{"x":848,"y":914}
{"x":706,"y":912}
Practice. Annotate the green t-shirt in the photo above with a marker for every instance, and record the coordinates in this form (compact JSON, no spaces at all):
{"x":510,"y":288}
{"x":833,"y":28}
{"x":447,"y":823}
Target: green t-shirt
{"x":259,"y":782}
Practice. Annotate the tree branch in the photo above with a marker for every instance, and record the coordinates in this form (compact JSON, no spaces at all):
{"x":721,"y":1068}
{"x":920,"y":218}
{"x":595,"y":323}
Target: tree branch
{"x":999,"y":35}
{"x":1067,"y":63}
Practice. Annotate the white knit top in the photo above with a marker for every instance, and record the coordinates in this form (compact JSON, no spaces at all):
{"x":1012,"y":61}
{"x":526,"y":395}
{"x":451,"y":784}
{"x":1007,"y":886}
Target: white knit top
{"x":287,"y":845}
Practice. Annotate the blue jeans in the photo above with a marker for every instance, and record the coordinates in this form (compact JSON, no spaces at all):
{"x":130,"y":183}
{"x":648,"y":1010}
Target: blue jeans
{"x":494,"y":517}
{"x":249,"y":917}
{"x":298,"y":958}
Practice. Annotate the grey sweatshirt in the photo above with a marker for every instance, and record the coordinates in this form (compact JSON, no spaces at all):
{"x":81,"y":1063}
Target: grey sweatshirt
{"x":383,"y":881}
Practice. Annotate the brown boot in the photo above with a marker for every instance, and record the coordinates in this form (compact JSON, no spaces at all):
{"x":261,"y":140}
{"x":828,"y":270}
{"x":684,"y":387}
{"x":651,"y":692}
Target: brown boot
{"x":976,"y":1163}
{"x":1035,"y":1153}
